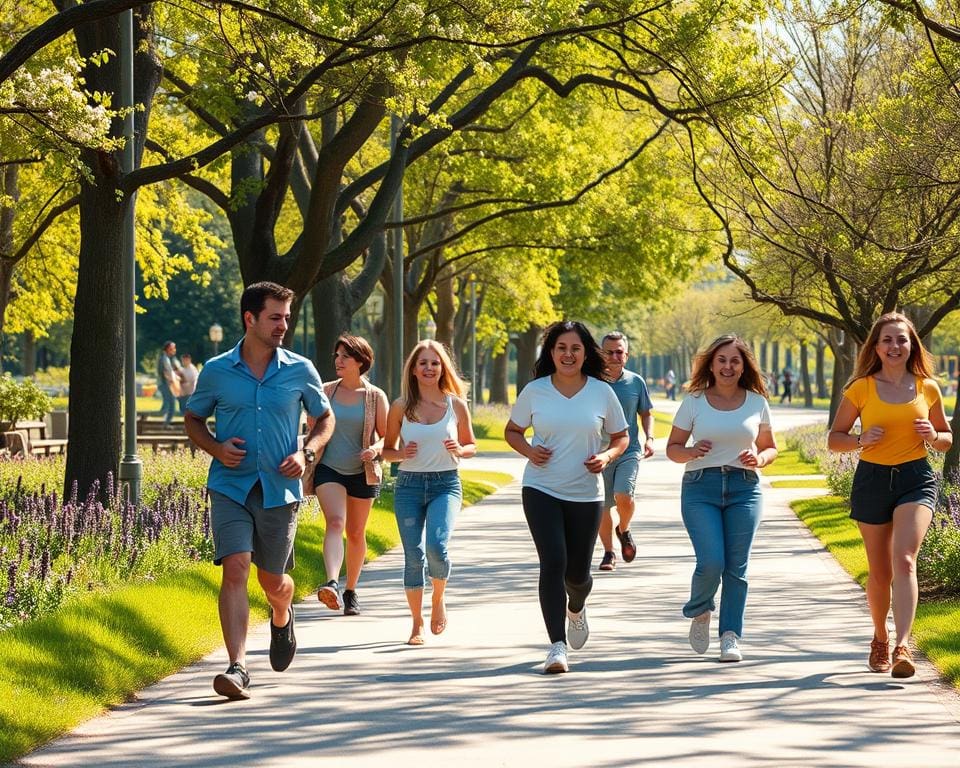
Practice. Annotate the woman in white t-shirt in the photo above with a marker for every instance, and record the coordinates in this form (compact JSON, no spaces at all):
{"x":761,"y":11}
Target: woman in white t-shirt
{"x":727,"y":415}
{"x":570,"y":407}
{"x":428,"y":432}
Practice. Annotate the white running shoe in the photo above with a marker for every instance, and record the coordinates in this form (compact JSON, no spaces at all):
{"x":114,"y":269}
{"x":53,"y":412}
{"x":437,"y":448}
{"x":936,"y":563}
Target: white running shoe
{"x":730,"y":647}
{"x":577,"y":629}
{"x":556,"y":659}
{"x":700,"y":632}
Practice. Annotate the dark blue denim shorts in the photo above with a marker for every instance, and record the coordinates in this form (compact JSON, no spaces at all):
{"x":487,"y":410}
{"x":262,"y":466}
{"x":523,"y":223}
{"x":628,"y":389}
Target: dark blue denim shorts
{"x":878,"y":489}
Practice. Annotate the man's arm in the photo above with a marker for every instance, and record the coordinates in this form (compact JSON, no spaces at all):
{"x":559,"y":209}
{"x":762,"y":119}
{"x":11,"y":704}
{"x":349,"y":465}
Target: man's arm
{"x":229,"y":453}
{"x":318,"y":436}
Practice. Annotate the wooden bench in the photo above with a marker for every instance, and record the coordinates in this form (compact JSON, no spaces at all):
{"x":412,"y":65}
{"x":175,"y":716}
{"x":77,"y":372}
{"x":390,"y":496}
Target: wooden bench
{"x":166,"y":442}
{"x":30,"y":438}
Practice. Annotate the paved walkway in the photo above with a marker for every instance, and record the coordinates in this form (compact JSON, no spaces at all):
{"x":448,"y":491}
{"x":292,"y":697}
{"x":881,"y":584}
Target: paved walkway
{"x":636,"y":694}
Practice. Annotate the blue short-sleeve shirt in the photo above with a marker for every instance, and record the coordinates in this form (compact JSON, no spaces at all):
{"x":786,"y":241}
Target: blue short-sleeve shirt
{"x":265,"y":413}
{"x":631,"y":391}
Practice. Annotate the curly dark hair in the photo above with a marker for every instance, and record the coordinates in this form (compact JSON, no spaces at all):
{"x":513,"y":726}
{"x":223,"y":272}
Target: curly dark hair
{"x":594,"y":363}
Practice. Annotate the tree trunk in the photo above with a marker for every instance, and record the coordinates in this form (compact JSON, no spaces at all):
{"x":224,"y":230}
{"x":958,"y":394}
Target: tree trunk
{"x":96,"y":349}
{"x":8,"y":188}
{"x":481,"y":376}
{"x":805,"y":374}
{"x":29,"y":354}
{"x":446,"y":314}
{"x":844,"y":354}
{"x":821,"y":368}
{"x":334,"y":296}
{"x":500,"y":380}
{"x":526,"y":344}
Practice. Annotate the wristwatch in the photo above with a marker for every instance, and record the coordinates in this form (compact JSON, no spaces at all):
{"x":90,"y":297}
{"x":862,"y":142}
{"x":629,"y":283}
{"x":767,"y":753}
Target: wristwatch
{"x":310,"y":455}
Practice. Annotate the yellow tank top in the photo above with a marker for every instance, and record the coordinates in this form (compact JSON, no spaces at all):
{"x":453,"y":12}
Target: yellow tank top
{"x":900,"y":441}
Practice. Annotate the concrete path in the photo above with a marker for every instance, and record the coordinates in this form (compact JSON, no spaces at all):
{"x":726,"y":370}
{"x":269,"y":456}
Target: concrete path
{"x":636,"y":694}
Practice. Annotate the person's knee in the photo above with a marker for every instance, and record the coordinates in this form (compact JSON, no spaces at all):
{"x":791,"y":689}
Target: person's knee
{"x":334,"y":525}
{"x":236,"y":570}
{"x":625,"y":503}
{"x":881,"y":575}
{"x":711,"y":568}
{"x":904,"y":564}
{"x":276,"y":585}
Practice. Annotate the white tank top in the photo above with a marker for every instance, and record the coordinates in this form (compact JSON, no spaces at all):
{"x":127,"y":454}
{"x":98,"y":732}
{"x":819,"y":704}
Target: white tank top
{"x":431,"y":456}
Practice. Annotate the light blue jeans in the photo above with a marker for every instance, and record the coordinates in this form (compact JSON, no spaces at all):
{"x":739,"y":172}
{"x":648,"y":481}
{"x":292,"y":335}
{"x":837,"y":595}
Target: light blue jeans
{"x":426,"y":505}
{"x":721,"y":508}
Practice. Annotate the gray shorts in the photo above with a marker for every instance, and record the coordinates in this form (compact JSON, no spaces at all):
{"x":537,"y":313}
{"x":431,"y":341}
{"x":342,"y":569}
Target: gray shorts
{"x":620,"y":476}
{"x":267,"y":533}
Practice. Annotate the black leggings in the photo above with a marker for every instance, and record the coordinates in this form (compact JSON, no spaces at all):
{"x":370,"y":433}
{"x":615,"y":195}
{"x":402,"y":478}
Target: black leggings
{"x":565,"y":533}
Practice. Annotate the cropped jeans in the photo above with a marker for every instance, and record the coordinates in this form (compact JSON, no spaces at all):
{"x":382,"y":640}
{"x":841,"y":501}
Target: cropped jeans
{"x":426,"y":505}
{"x":721,"y":508}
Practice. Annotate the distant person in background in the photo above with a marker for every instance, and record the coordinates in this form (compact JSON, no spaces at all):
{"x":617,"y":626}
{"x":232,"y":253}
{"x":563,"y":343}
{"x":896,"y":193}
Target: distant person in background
{"x":620,"y":476}
{"x":894,"y":395}
{"x":670,"y":384}
{"x":187,"y":374}
{"x":428,"y":431}
{"x":347,"y":476}
{"x":573,"y":412}
{"x":727,"y":415}
{"x":168,"y":383}
{"x":787,"y":393}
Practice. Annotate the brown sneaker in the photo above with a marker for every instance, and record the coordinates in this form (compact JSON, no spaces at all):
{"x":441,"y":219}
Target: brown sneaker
{"x":902,"y":662}
{"x":879,"y":656}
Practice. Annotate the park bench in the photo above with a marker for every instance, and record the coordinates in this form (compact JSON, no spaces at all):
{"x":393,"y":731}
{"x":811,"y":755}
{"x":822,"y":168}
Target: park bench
{"x":158,"y":435}
{"x":29,"y":438}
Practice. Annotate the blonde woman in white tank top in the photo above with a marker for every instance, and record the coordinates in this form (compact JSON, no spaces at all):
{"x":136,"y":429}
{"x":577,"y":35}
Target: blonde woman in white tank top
{"x":428,"y":432}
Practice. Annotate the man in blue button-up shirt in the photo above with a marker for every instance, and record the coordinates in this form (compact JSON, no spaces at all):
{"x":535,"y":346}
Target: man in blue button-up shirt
{"x":255,"y":393}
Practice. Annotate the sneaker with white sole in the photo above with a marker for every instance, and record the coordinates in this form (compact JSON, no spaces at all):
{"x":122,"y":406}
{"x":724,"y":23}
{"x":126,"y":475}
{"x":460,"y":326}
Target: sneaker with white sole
{"x":577,"y":628}
{"x":700,"y":632}
{"x":730,"y":647}
{"x":329,"y":595}
{"x":556,"y":659}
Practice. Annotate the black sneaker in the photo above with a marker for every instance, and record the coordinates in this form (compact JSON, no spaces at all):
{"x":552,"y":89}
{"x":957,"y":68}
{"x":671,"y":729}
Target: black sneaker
{"x":628,"y":547}
{"x":233,"y":683}
{"x":283,"y":644}
{"x":329,"y":595}
{"x":609,"y":561}
{"x":351,"y":606}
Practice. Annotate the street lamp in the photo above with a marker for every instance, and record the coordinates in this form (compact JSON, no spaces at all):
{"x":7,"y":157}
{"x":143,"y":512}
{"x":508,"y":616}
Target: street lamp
{"x":431,"y":328}
{"x":216,"y":336}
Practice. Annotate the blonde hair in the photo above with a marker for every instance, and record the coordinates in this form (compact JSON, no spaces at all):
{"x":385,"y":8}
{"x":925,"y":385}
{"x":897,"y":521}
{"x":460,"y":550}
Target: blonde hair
{"x":702,"y":377}
{"x":450,"y":382}
{"x":920,"y":363}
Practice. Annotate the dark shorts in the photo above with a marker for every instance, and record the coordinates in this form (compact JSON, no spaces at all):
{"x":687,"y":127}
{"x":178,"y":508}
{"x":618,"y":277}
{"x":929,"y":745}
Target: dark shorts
{"x":356,"y":485}
{"x":266,"y":532}
{"x":878,"y":489}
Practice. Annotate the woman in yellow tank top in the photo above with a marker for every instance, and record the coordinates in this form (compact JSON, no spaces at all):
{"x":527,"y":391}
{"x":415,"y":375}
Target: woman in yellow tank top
{"x":898,"y":403}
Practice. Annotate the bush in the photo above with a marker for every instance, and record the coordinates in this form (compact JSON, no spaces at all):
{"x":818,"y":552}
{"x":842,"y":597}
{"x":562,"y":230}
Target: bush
{"x":938,"y":565}
{"x":21,"y":400}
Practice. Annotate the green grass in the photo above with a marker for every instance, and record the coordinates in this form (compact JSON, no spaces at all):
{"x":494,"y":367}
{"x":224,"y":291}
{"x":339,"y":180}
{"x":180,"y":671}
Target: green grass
{"x":93,"y":653}
{"x":937,"y":627}
{"x":789,"y":463}
{"x":808,"y":482}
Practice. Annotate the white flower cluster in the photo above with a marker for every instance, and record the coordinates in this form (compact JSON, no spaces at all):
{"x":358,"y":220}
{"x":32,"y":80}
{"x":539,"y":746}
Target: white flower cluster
{"x":55,"y":98}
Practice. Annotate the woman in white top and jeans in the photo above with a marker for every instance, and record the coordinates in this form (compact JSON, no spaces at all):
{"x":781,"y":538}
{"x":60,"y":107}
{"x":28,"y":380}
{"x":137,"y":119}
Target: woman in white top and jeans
{"x":428,"y":432}
{"x":570,"y":406}
{"x":727,"y":415}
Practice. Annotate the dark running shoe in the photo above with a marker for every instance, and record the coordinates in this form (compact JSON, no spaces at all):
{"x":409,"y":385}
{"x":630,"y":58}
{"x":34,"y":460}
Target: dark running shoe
{"x":329,"y":595}
{"x":609,"y":561}
{"x":628,"y":547}
{"x":351,"y":606}
{"x":233,"y":683}
{"x":283,"y":644}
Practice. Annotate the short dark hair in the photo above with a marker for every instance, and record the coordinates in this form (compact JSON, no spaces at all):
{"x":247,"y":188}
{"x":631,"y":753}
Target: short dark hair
{"x":594,"y":363}
{"x":358,"y":348}
{"x":255,"y":297}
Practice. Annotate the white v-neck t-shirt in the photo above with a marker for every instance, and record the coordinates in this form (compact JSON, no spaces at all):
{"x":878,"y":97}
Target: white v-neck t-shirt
{"x":574,"y":428}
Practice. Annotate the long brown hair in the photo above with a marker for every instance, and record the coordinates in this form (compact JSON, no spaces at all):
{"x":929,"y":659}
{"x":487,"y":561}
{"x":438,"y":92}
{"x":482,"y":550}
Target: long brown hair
{"x":450,"y":382}
{"x":702,"y":377}
{"x":920,"y":363}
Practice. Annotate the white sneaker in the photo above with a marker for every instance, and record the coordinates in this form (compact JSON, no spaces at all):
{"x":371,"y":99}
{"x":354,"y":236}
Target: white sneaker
{"x":700,"y":632}
{"x":556,"y":659}
{"x":730,"y":647}
{"x":577,"y":629}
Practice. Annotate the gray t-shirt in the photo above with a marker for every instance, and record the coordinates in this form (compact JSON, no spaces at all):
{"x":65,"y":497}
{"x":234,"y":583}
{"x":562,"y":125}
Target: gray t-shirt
{"x":631,"y":391}
{"x":342,"y":453}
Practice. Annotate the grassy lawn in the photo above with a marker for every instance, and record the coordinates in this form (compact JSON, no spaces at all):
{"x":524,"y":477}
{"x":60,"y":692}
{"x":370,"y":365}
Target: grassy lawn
{"x":806,"y":482}
{"x":789,"y":463}
{"x":96,"y":651}
{"x":937,"y":628}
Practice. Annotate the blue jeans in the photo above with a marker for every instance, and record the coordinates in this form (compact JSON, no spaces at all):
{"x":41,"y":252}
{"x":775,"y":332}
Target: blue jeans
{"x":169,"y":407}
{"x":426,"y":504}
{"x":721,"y":508}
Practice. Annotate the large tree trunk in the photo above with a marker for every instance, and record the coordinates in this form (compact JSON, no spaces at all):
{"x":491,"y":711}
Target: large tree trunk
{"x":333,"y":297}
{"x":446,"y":314}
{"x":821,"y":368}
{"x":844,"y":354}
{"x":500,"y":380}
{"x":9,"y":188}
{"x":29,"y":354}
{"x":96,"y":349}
{"x":526,"y":344}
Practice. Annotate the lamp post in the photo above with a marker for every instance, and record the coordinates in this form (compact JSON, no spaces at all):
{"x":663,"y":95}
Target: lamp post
{"x":216,"y":336}
{"x":473,"y":343}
